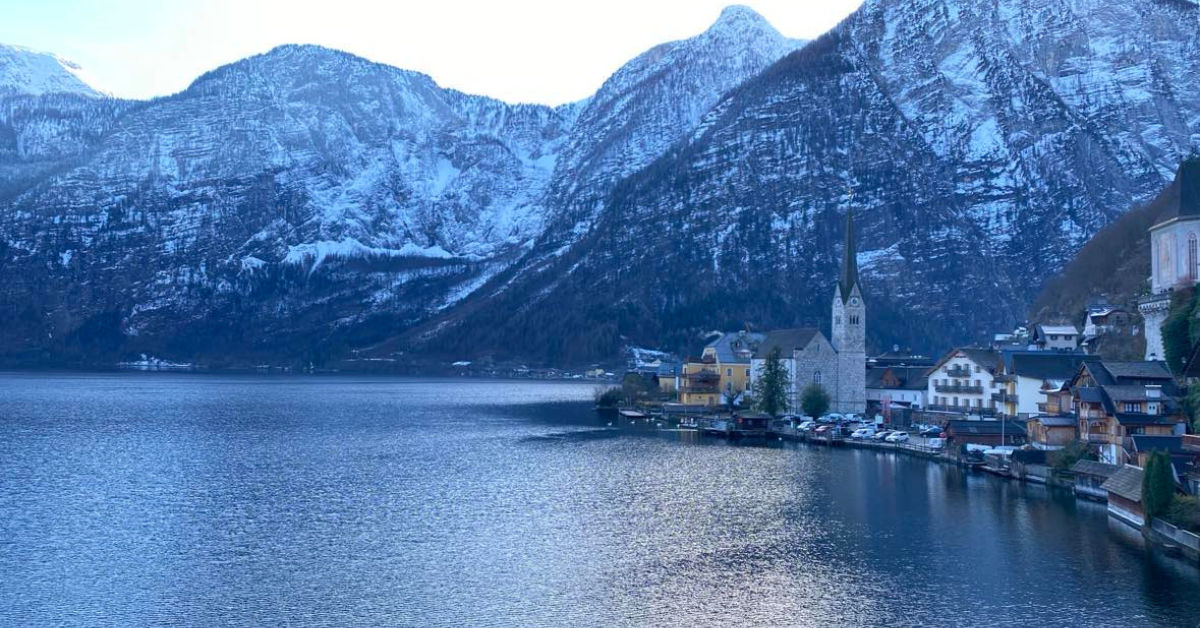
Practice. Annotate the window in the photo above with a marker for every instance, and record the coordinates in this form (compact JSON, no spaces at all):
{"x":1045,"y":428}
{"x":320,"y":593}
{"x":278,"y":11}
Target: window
{"x":816,"y":377}
{"x":747,"y":372}
{"x":977,"y":369}
{"x":1192,"y":259}
{"x":1133,"y":407}
{"x":729,"y":372}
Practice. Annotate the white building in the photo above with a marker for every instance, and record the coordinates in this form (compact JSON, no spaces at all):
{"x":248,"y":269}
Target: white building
{"x":963,"y":382}
{"x":1056,"y":337}
{"x":1027,"y":375}
{"x":903,"y":386}
{"x":1174,"y":253}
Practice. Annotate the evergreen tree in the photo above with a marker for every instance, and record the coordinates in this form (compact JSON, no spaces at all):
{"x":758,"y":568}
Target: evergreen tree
{"x":1177,"y":330}
{"x":814,"y":400}
{"x":1158,"y":485}
{"x":771,"y":388}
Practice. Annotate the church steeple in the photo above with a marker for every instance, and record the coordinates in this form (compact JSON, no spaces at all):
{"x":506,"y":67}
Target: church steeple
{"x":849,"y":276}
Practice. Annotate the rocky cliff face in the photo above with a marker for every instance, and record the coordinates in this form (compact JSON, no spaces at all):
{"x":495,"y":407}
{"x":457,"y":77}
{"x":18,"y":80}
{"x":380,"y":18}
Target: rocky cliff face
{"x":304,"y":201}
{"x":982,"y":143}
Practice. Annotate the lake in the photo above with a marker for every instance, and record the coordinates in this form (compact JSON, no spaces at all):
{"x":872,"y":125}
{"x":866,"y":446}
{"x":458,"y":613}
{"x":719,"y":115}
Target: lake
{"x":142,"y":499}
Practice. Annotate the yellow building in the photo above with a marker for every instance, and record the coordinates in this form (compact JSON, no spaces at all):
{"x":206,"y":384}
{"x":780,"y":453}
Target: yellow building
{"x":721,"y":375}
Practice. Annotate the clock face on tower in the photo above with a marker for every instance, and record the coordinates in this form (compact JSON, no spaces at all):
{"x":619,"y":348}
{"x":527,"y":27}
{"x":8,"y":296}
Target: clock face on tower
{"x":854,"y":301}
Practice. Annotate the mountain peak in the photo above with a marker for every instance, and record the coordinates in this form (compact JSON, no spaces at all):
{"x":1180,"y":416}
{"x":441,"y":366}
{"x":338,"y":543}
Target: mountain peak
{"x":740,"y":16}
{"x":32,"y":72}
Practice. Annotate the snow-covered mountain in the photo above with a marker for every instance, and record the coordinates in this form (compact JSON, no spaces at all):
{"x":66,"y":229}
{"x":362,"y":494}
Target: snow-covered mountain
{"x":308,"y":197}
{"x":26,"y":71}
{"x":655,"y":101}
{"x":981,"y":141}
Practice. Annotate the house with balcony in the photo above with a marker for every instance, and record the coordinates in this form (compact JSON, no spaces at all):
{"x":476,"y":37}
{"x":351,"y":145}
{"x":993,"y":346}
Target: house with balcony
{"x":1050,"y":432}
{"x":700,"y":383}
{"x":1026,"y":374}
{"x":1114,"y":401}
{"x":963,"y":382}
{"x":721,"y":374}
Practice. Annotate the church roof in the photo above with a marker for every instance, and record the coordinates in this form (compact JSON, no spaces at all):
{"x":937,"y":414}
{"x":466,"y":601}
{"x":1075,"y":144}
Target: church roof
{"x":786,"y":340}
{"x":849,"y":276}
{"x":1186,"y":195}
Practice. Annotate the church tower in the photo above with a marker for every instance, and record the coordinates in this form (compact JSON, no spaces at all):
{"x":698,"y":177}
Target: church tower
{"x":848,"y":332}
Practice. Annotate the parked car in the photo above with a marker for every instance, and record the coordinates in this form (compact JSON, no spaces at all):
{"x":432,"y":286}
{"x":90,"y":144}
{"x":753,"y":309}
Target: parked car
{"x":898,"y":437}
{"x":808,"y":426}
{"x":823,"y":430}
{"x":863,"y":433}
{"x":881,"y":435}
{"x":932,"y":431}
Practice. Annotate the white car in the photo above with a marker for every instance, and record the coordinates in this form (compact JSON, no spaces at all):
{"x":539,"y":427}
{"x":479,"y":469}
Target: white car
{"x":898,"y":437}
{"x":807,"y":426}
{"x":863,"y":433}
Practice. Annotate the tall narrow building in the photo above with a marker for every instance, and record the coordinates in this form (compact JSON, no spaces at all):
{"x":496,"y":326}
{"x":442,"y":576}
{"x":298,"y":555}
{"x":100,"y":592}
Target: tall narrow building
{"x":848,"y":332}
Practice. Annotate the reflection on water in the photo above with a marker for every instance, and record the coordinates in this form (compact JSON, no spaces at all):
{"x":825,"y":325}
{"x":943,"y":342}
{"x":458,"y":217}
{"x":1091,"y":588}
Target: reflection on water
{"x":203,"y":500}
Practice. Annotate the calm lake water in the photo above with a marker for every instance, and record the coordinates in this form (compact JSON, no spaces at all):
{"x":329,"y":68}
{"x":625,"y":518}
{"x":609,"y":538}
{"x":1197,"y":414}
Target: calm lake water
{"x":205,"y":500}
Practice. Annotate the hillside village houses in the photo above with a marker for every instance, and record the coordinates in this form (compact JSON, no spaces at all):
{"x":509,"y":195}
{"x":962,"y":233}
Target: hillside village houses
{"x":1039,"y":381}
{"x":1174,"y":255}
{"x":1115,"y":401}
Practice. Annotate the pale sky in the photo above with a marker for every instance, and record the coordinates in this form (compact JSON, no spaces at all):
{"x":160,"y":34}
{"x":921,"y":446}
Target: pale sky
{"x":544,"y":51}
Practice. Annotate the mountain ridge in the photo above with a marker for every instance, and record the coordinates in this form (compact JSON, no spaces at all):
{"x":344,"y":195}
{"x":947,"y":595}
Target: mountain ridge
{"x":289,"y":198}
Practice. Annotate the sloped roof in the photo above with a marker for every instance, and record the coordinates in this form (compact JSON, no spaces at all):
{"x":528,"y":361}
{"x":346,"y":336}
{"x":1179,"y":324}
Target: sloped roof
{"x":1144,"y":419}
{"x":787,"y":340}
{"x":964,"y":426}
{"x":1169,"y":444}
{"x":1046,"y":365}
{"x":1136,"y":370}
{"x":1054,"y":421}
{"x":726,"y":346}
{"x":1126,"y":482}
{"x":911,"y":377}
{"x":1062,"y":330}
{"x":1092,"y":467}
{"x":1127,"y":393}
{"x":1184,"y":192}
{"x":986,"y":358}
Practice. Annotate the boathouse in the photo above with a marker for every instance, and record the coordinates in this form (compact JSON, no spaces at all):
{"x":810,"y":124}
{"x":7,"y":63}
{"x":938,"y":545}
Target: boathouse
{"x":1124,"y":491}
{"x":1090,"y":476}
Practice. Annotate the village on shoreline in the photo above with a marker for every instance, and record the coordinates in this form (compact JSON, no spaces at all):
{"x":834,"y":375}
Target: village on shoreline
{"x":1042,"y":403}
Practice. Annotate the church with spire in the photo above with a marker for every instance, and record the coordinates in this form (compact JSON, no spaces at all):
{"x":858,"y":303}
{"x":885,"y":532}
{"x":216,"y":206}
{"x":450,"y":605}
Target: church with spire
{"x":848,"y":330}
{"x":839,"y":363}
